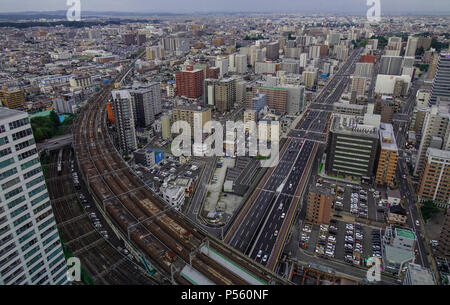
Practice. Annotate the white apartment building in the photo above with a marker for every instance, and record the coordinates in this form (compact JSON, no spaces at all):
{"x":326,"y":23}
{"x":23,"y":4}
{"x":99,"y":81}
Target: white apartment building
{"x":30,"y":248}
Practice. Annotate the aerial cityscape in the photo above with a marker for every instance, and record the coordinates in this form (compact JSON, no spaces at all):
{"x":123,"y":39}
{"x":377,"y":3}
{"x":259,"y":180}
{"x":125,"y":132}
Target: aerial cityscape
{"x":220,"y":143}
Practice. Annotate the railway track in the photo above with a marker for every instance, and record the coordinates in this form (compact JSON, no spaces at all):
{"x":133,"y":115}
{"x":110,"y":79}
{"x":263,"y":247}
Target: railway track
{"x":101,"y":261}
{"x":168,"y":239}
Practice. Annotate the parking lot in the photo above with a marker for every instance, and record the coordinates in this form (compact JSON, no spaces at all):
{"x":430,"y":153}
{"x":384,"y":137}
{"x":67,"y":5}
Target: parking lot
{"x":360,"y":202}
{"x":349,"y":242}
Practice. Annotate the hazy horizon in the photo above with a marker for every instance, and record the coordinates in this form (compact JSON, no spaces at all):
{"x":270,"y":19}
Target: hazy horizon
{"x":232,"y":6}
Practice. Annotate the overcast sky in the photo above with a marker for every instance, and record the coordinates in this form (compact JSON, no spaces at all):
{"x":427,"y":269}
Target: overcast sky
{"x":186,"y":6}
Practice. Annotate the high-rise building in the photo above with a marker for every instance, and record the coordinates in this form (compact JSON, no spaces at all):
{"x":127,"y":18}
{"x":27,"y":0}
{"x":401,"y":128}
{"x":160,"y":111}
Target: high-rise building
{"x":363,"y":69}
{"x":189,"y":82}
{"x":276,"y":97}
{"x":435,"y":179}
{"x":222,"y":64}
{"x":441,"y":82}
{"x":352,"y":145}
{"x":359,"y":85}
{"x":146,"y":102}
{"x":411,"y":46}
{"x":124,"y":120}
{"x":435,"y":125}
{"x":12,"y":98}
{"x":309,"y":79}
{"x":272,"y":51}
{"x":241,"y":63}
{"x":166,"y":127}
{"x":387,"y":160}
{"x":154,"y":52}
{"x":225,"y":94}
{"x":391,"y":65}
{"x":30,"y":251}
{"x":303,"y":60}
{"x":318,"y":210}
{"x":192,"y":114}
{"x":443,"y":248}
{"x":394,"y":43}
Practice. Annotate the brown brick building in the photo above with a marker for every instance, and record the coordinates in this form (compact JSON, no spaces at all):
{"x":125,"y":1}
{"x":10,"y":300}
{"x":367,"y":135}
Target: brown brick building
{"x":276,"y":98}
{"x":319,"y":205}
{"x":189,"y":82}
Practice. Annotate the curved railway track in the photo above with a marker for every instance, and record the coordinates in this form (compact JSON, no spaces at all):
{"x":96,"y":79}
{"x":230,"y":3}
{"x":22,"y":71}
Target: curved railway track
{"x":103,"y":263}
{"x":161,"y":233}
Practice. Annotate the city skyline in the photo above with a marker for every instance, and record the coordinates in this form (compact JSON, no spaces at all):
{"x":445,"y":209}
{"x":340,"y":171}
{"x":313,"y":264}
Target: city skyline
{"x":232,"y":6}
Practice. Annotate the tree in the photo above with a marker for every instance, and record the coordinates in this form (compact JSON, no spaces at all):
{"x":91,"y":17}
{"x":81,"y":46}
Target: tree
{"x":420,"y":51}
{"x":55,"y":119}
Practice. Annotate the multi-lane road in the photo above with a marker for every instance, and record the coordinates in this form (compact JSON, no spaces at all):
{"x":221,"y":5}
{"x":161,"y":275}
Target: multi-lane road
{"x":261,"y":228}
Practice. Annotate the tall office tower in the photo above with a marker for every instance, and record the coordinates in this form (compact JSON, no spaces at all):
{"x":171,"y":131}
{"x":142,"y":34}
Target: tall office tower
{"x":391,"y":65}
{"x":30,"y":249}
{"x":411,"y":46}
{"x":241,"y":63}
{"x":443,"y":248}
{"x":222,"y":64}
{"x":435,"y":134}
{"x":363,"y":69}
{"x":359,"y":85}
{"x":318,"y":210}
{"x":352,"y":145}
{"x":387,"y":160}
{"x":295,"y":98}
{"x":303,"y":60}
{"x":225,"y":94}
{"x":441,"y":82}
{"x":12,"y":98}
{"x":394,"y":43}
{"x":129,"y":38}
{"x":314,"y":52}
{"x":146,"y":102}
{"x":273,"y":51}
{"x":124,"y":120}
{"x":435,"y":180}
{"x":189,"y":83}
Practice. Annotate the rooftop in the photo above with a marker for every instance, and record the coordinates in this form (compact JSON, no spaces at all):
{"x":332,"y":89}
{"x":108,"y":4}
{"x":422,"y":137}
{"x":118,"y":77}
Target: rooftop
{"x":438,"y":153}
{"x":398,"y":255}
{"x":352,"y":125}
{"x":6,"y":113}
{"x":420,"y":275}
{"x":405,"y":233}
{"x":387,"y":138}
